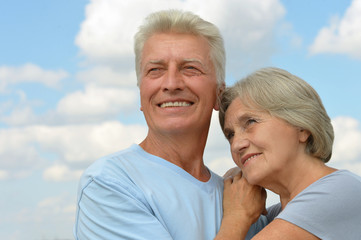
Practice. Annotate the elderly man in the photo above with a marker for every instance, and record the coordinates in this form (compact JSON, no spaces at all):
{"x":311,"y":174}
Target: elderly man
{"x":161,"y":189}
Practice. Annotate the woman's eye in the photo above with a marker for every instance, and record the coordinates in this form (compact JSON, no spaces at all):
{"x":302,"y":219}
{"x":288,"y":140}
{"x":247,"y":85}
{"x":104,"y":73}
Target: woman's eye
{"x":229,"y":136}
{"x":250,"y":121}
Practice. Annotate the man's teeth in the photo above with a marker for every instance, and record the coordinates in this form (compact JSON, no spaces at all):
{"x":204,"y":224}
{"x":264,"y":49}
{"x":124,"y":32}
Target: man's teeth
{"x":251,"y":158}
{"x":175,"y":104}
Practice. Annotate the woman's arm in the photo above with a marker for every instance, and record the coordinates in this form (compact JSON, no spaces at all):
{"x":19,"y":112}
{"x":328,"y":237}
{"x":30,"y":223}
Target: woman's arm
{"x":280,"y":229}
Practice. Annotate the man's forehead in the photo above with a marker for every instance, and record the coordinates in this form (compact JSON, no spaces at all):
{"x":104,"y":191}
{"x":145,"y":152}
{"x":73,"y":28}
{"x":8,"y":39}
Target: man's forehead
{"x":184,"y":60}
{"x":162,"y":48}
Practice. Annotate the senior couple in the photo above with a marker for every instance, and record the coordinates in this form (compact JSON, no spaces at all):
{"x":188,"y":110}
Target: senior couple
{"x":280,"y":137}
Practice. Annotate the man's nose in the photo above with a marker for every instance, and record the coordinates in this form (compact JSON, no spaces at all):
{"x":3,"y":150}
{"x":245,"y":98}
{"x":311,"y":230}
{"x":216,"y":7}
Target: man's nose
{"x":173,"y":80}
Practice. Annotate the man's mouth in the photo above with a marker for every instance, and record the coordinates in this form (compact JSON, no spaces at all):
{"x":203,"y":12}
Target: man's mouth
{"x":175,"y":104}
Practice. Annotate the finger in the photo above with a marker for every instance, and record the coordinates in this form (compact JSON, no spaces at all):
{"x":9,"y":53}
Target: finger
{"x":231,"y":172}
{"x":238,"y":176}
{"x":228,"y":181}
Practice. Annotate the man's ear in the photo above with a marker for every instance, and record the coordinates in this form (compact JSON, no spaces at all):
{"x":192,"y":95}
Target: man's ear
{"x":220,"y":90}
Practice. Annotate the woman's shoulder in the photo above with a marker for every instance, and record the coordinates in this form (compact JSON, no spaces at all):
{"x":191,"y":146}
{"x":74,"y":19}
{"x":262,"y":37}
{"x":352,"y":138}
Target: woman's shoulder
{"x":328,"y":206}
{"x":339,"y":181}
{"x":340,"y":187}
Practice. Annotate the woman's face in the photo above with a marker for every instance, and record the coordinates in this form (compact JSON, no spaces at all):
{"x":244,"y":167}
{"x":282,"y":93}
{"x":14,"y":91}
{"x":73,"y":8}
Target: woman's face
{"x":263,"y":146}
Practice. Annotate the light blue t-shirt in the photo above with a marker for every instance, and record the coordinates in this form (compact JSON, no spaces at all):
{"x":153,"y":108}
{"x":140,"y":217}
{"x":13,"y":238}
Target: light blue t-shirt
{"x":330,"y":208}
{"x":135,"y":195}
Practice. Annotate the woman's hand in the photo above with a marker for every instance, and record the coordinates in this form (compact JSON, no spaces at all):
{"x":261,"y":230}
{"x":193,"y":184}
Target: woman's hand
{"x":243,"y":203}
{"x":232,"y":172}
{"x":242,"y":200}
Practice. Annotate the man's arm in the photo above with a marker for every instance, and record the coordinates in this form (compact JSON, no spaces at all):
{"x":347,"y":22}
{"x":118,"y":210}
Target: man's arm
{"x":108,"y":210}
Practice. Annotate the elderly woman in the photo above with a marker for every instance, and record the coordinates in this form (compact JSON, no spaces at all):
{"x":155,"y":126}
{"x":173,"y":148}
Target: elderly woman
{"x":281,"y":137}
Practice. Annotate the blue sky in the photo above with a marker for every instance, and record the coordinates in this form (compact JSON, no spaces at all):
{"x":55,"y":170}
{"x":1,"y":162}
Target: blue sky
{"x":68,"y":91}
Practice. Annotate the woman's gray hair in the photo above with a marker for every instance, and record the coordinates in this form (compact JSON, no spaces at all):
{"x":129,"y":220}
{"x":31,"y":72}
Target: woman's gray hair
{"x":176,"y":21}
{"x":287,"y":97}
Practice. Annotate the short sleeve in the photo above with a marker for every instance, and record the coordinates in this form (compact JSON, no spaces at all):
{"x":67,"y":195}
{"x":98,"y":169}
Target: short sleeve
{"x":110,"y":209}
{"x":257,"y":227}
{"x":329,"y":208}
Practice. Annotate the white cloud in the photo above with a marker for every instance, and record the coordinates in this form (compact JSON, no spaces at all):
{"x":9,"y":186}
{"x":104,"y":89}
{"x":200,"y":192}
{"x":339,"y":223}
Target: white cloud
{"x":94,"y":104}
{"x":20,"y":110}
{"x":248,"y":28}
{"x":3,"y":174}
{"x":82,"y":144}
{"x":106,"y":35}
{"x":51,"y":218}
{"x":221,"y":165}
{"x":217,"y":155}
{"x":98,"y":102}
{"x":59,"y":173}
{"x":20,"y":115}
{"x":30,"y":73}
{"x":105,"y":76}
{"x":343,"y":35}
{"x":56,"y":205}
{"x":18,"y":151}
{"x":71,"y":147}
{"x":347,"y":145}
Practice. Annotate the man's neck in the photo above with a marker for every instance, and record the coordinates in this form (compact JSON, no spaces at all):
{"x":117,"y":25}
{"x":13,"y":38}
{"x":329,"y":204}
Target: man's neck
{"x":185,"y":152}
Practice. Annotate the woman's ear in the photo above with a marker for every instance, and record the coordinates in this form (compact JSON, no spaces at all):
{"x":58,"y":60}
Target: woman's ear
{"x":304,"y":135}
{"x":220,"y":90}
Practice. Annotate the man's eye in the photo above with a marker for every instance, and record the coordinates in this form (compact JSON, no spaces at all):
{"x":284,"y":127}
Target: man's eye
{"x":191,"y":71}
{"x":190,"y":67}
{"x":155,"y":72}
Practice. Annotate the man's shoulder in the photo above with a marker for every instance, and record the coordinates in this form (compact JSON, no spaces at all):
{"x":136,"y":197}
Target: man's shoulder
{"x":112,"y":165}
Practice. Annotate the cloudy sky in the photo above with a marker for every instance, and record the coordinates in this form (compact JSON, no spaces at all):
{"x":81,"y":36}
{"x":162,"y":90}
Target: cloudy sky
{"x":68,"y":90}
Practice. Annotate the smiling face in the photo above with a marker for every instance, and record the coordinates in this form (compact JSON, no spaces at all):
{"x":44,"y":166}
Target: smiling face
{"x":178,"y":85}
{"x":263,"y":146}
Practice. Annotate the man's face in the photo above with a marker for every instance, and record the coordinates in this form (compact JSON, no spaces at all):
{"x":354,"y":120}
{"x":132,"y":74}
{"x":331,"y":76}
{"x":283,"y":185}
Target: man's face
{"x":178,"y":85}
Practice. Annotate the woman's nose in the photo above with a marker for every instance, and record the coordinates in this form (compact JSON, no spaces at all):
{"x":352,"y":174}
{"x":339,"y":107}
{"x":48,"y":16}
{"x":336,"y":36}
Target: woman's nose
{"x":240,"y":142}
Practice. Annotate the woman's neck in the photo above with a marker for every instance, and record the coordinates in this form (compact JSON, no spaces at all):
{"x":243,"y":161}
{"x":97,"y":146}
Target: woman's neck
{"x":298,"y":177}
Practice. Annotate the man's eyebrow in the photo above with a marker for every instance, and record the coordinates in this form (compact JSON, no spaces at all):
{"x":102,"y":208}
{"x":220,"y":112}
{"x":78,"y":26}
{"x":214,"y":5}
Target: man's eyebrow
{"x":197,"y":61}
{"x":155,"y":61}
{"x":188,"y":60}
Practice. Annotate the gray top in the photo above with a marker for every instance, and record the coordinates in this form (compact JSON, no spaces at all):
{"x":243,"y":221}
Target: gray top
{"x":330,"y":208}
